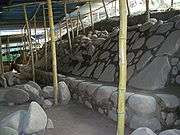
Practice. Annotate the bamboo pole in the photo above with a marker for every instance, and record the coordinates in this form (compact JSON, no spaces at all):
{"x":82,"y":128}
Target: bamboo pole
{"x":53,"y":50}
{"x":129,"y":12}
{"x":35,"y":35}
{"x":77,"y":25}
{"x":105,"y":9}
{"x":147,"y":11}
{"x":72,"y":30}
{"x":67,"y":26}
{"x":82,"y":25}
{"x":8,"y":53}
{"x":115,"y":7}
{"x":172,"y":3}
{"x":60,"y":31}
{"x":30,"y":42}
{"x":1,"y":59}
{"x":91,"y":15}
{"x":45,"y":35}
{"x":122,"y":67}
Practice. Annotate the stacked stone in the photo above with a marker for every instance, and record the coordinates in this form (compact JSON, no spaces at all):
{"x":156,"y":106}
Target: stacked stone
{"x":153,"y":64}
{"x":31,"y":122}
{"x":155,"y":111}
{"x":147,"y":131}
{"x":152,"y":46}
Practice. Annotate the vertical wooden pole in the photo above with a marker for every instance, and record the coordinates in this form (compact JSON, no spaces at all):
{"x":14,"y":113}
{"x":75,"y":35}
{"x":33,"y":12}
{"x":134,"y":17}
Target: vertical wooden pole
{"x":1,"y":58}
{"x":30,"y":42}
{"x":60,"y":31}
{"x":122,"y":66}
{"x":129,"y":12}
{"x":105,"y":9}
{"x":72,"y":30}
{"x":77,"y":25}
{"x":53,"y":50}
{"x":45,"y":36}
{"x":8,"y":53}
{"x":147,"y":11}
{"x":172,"y":3}
{"x":82,"y":25}
{"x":35,"y":35}
{"x":115,"y":7}
{"x":24,"y":48}
{"x":91,"y":15}
{"x":67,"y":27}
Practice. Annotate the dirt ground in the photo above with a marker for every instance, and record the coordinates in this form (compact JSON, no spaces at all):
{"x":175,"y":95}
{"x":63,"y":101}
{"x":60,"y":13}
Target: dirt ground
{"x":72,"y":119}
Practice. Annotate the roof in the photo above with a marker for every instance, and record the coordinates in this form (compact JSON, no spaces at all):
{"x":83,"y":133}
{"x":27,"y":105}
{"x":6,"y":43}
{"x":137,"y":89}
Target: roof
{"x":12,"y":13}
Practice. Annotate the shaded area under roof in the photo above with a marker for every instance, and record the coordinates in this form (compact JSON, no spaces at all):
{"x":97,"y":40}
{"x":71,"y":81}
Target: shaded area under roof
{"x":12,"y":15}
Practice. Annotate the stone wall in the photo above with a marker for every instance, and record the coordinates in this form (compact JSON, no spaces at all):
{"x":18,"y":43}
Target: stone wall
{"x":91,"y":72}
{"x":152,"y":53}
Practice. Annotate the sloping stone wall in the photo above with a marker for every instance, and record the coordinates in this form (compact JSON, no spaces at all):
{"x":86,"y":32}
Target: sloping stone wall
{"x":152,"y":53}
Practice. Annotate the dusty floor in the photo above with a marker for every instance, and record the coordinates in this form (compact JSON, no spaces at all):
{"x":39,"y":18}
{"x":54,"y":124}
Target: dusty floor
{"x":73,"y":119}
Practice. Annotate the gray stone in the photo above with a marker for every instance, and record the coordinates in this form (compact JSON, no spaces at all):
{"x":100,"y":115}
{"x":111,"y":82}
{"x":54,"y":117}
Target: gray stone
{"x":112,"y":114}
{"x":35,"y":85}
{"x":177,"y":25}
{"x":64,"y":93}
{"x":171,"y":45}
{"x":91,"y":88}
{"x":88,"y":104}
{"x":136,"y":35}
{"x":108,"y":74}
{"x":10,"y":78}
{"x":36,"y":120}
{"x":130,"y":57}
{"x":104,"y":93}
{"x":177,"y":123}
{"x":143,"y":131}
{"x":98,"y":70}
{"x":139,"y":43}
{"x":47,"y":103}
{"x":48,"y":92}
{"x":139,"y":53}
{"x":178,"y":79}
{"x":115,"y":58}
{"x":139,"y":121}
{"x":156,"y":26}
{"x":154,"y":76}
{"x":14,"y":120}
{"x":8,"y":131}
{"x":33,"y":92}
{"x":73,"y":83}
{"x":50,"y":124}
{"x":3,"y":82}
{"x":82,"y":87}
{"x":89,"y":70}
{"x":170,"y":119}
{"x":105,"y":55}
{"x":17,"y":96}
{"x":170,"y":101}
{"x":146,"y":26}
{"x":146,"y":57}
{"x":174,"y":61}
{"x":170,"y":132}
{"x":154,"y":41}
{"x":130,"y":34}
{"x":174,"y":70}
{"x":165,"y":27}
{"x":115,"y":48}
{"x":142,"y":104}
{"x":130,"y":71}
